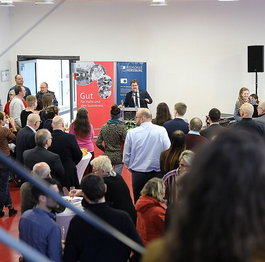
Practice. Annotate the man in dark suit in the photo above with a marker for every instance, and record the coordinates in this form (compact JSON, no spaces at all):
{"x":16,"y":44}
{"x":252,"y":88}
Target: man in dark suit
{"x":215,"y":128}
{"x":193,"y":139}
{"x":40,"y":153}
{"x":26,"y":136}
{"x":65,"y":145}
{"x":44,"y":90}
{"x":178,"y":122}
{"x":137,"y":97}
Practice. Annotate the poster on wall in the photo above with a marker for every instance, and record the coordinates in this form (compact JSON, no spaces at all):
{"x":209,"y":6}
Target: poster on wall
{"x":95,"y":90}
{"x":126,"y":72}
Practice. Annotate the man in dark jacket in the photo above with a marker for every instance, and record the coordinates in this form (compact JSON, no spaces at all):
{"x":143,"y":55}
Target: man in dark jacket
{"x":65,"y":145}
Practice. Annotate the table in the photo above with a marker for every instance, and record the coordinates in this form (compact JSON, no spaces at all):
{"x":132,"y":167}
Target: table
{"x":81,"y":166}
{"x":63,"y":219}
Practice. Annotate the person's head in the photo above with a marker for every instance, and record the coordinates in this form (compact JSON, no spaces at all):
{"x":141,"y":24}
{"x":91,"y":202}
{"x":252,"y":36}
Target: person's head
{"x":51,"y":111}
{"x":20,"y":91}
{"x":47,"y":99}
{"x":115,"y":112}
{"x":261,"y":108}
{"x":39,"y":105}
{"x":41,"y":170}
{"x":101,"y":165}
{"x":154,"y":188}
{"x":195,"y":124}
{"x":253,"y":99}
{"x":34,"y":121}
{"x":162,"y":114}
{"x":143,"y":115}
{"x":243,"y":94}
{"x":214,"y":115}
{"x":31,"y":101}
{"x":246,"y":110}
{"x":223,"y":210}
{"x":134,"y":85}
{"x":43,"y":201}
{"x":58,"y":123}
{"x":2,"y":118}
{"x":180,"y":109}
{"x":43,"y":138}
{"x":82,"y":126}
{"x":19,"y":80}
{"x":11,"y":94}
{"x":93,"y":188}
{"x":44,"y":87}
{"x":185,"y":160}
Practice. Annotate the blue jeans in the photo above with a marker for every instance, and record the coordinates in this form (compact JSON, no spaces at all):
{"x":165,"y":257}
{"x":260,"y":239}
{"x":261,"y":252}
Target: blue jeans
{"x":5,"y":199}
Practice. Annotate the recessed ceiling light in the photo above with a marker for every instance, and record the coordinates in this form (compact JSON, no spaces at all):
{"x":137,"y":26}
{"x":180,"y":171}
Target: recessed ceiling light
{"x":44,"y":2}
{"x":158,"y":3}
{"x":6,"y":3}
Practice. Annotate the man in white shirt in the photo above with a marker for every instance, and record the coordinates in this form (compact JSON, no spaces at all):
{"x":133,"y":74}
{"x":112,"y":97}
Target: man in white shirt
{"x":142,"y":149}
{"x":17,"y":106}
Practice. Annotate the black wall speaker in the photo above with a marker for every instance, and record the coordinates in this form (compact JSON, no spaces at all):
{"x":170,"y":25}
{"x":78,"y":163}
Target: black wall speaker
{"x":256,"y":58}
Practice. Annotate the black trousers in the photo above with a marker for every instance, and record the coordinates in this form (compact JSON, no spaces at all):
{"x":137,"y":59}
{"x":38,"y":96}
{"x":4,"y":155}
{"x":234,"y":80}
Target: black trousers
{"x":139,"y":179}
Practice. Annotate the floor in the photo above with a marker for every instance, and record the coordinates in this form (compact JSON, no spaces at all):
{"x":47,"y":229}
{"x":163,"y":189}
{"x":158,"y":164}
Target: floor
{"x":11,"y":223}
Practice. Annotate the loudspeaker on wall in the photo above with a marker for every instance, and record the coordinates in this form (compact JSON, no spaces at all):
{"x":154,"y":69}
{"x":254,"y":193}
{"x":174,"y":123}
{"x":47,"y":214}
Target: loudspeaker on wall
{"x":256,"y":58}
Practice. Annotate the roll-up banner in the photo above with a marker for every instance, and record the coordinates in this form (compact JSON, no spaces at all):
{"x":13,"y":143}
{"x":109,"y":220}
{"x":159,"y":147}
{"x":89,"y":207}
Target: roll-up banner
{"x":95,"y":90}
{"x":126,"y":72}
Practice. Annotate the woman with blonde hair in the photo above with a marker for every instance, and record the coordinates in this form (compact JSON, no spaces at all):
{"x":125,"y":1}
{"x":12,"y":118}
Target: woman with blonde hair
{"x":151,"y":210}
{"x":243,"y":97}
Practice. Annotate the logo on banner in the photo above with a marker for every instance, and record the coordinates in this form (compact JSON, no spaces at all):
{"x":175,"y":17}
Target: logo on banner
{"x":123,"y":80}
{"x":132,"y":68}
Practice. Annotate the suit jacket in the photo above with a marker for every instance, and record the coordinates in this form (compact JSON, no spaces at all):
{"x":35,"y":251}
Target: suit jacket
{"x":129,"y":102}
{"x":41,"y":154}
{"x":176,"y":124}
{"x":25,"y":140}
{"x":65,"y":145}
{"x":194,"y":141}
{"x":212,"y":131}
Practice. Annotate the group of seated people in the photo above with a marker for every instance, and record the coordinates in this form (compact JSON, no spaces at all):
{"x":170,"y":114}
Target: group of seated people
{"x":206,"y":203}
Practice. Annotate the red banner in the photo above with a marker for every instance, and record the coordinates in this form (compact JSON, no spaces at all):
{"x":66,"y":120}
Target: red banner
{"x":95,"y":91}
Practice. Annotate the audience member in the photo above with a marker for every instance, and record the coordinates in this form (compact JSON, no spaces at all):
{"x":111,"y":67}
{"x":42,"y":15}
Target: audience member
{"x":7,"y":106}
{"x":19,"y":82}
{"x":84,"y":241}
{"x":16,"y":105}
{"x":118,"y":194}
{"x":84,"y":133}
{"x":261,"y":112}
{"x":137,"y":97}
{"x":65,"y":145}
{"x":113,"y":136}
{"x":40,"y":170}
{"x":50,"y":112}
{"x":243,"y":97}
{"x":193,"y":139}
{"x":5,"y":136}
{"x":254,"y":100}
{"x":31,"y":106}
{"x":39,"y":153}
{"x":178,"y":122}
{"x":246,"y":112}
{"x":37,"y":226}
{"x":162,"y":114}
{"x":46,"y":102}
{"x":151,"y":210}
{"x":44,"y":90}
{"x":142,"y":149}
{"x":215,"y":128}
{"x":169,"y":159}
{"x":222,"y":190}
{"x":26,"y":136}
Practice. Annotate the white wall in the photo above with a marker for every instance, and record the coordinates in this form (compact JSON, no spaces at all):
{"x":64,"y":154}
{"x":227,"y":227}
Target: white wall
{"x":4,"y":56}
{"x":196,"y":52}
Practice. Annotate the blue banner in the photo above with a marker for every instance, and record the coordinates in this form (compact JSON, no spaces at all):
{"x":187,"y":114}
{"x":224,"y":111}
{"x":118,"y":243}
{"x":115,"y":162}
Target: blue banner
{"x":126,"y":72}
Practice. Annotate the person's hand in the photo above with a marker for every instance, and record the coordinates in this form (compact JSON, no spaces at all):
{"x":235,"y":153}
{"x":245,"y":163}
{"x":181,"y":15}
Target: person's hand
{"x":75,"y":192}
{"x":12,"y":121}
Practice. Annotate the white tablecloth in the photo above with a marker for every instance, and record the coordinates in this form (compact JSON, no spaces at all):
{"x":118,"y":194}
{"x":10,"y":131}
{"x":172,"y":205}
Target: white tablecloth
{"x":81,"y":166}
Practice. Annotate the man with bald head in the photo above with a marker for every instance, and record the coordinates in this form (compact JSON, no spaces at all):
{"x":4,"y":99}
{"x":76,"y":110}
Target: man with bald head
{"x":19,"y":82}
{"x":65,"y":145}
{"x":142,"y":149}
{"x":193,"y":139}
{"x":246,"y":112}
{"x":40,"y":170}
{"x":26,"y":136}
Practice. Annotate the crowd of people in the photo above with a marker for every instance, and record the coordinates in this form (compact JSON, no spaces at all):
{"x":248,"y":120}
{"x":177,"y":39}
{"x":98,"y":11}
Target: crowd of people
{"x":197,"y":191}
